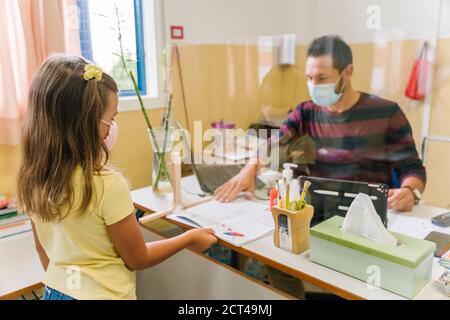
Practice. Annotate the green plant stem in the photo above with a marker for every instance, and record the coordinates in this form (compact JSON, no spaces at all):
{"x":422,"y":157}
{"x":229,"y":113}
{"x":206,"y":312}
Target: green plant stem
{"x":163,"y":154}
{"x":133,"y":80}
{"x":160,"y":155}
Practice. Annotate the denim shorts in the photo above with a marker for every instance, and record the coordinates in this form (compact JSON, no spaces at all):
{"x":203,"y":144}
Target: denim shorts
{"x":52,"y":294}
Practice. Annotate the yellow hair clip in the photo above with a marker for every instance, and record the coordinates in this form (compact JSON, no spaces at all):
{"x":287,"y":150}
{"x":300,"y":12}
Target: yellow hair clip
{"x":91,"y":72}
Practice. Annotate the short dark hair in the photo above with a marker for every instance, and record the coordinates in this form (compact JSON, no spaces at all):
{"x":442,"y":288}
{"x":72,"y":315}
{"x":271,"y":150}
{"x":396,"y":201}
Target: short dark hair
{"x":334,"y":46}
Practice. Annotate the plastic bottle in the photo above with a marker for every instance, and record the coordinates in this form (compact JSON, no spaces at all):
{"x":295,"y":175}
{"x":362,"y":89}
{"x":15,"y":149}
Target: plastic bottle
{"x":294,"y":188}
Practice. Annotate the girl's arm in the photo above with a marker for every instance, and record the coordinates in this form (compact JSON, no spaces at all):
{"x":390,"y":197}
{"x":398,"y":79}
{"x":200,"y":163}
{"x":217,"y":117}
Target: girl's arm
{"x":129,"y":243}
{"x":42,"y":254}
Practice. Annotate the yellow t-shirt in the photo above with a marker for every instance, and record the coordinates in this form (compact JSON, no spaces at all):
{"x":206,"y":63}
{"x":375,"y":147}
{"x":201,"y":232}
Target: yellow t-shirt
{"x":83,"y":261}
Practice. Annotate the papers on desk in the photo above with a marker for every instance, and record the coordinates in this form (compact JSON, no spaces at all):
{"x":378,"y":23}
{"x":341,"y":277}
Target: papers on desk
{"x":239,"y":222}
{"x":413,"y":226}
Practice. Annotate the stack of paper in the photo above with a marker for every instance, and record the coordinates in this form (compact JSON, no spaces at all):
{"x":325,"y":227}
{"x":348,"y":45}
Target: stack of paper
{"x":7,"y":213}
{"x":238,"y":222}
{"x":14,"y":225}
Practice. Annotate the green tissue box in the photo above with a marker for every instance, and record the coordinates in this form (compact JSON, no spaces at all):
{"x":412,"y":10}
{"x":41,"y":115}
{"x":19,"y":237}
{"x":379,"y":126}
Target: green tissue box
{"x":404,"y":269}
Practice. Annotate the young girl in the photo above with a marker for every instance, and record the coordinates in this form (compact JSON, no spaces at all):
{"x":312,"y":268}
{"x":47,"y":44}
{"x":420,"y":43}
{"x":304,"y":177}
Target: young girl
{"x":84,"y":228}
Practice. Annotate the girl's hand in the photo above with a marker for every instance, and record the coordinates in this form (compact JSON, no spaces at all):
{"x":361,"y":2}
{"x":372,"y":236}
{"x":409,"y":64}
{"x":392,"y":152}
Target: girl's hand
{"x":201,"y":239}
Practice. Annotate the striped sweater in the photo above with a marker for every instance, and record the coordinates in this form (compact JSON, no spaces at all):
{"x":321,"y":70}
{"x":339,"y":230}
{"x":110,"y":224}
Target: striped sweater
{"x":367,"y":143}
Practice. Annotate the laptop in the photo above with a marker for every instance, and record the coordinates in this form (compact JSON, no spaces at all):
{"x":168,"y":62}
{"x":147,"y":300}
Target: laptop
{"x":212,"y":176}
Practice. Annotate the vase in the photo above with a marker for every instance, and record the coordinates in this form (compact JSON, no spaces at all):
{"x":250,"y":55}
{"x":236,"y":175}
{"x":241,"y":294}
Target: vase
{"x":161,"y":180}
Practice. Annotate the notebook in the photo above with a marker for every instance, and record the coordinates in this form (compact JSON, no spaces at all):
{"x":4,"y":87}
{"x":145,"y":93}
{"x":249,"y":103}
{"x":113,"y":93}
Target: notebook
{"x":239,"y":222}
{"x":8,"y":213}
{"x":18,"y":226}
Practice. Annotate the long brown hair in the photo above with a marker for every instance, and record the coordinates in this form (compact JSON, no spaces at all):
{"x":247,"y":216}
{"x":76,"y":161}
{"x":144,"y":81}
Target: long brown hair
{"x":61,"y":132}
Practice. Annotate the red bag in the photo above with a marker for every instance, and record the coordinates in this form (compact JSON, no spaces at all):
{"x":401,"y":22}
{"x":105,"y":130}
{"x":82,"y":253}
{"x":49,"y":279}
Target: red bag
{"x":418,"y":79}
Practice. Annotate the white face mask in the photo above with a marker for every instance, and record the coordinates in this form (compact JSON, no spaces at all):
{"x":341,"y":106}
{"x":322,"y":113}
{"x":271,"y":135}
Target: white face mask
{"x":113,"y":134}
{"x":325,"y":95}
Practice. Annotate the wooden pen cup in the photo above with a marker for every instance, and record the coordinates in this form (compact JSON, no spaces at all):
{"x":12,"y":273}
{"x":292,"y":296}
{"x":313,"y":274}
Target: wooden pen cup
{"x":297,"y":230}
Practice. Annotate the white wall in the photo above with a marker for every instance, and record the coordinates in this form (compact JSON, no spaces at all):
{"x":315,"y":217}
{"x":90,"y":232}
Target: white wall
{"x":207,"y":21}
{"x":399,"y":19}
{"x":445,"y":19}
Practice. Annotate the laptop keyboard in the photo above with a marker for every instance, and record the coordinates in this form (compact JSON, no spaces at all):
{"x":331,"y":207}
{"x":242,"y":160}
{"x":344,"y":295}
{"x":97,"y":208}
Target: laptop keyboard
{"x":213,"y":177}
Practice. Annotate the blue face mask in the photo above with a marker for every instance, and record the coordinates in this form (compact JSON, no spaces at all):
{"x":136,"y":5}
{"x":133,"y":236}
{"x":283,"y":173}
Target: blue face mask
{"x":325,"y":95}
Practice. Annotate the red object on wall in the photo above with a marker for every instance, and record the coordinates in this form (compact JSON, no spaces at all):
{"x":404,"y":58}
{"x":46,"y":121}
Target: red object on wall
{"x":417,"y":80}
{"x":176,"y":32}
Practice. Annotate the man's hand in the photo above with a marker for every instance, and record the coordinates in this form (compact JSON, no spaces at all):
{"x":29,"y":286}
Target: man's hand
{"x":401,"y":199}
{"x":243,"y":181}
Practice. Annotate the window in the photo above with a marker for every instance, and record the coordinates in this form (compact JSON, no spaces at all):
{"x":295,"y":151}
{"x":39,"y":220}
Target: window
{"x":99,"y":41}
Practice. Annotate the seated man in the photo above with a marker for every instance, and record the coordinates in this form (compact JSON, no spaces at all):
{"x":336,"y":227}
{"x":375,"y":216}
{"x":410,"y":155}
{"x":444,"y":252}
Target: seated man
{"x":357,"y":136}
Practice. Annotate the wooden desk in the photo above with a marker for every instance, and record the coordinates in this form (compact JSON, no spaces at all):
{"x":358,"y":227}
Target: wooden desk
{"x":299,"y":266}
{"x":21,"y":271}
{"x":189,"y":275}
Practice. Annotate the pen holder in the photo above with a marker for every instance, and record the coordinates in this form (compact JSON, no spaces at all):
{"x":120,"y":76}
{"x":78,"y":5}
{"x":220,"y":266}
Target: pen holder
{"x":292,"y":228}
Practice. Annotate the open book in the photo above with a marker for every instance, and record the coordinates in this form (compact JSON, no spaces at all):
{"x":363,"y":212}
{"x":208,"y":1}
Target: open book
{"x":238,"y":222}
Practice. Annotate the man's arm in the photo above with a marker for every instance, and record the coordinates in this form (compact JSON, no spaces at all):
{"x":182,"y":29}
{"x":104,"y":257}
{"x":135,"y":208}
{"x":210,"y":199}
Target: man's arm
{"x":414,"y":183}
{"x":403,"y":199}
{"x":406,"y":163}
{"x":245,"y":180}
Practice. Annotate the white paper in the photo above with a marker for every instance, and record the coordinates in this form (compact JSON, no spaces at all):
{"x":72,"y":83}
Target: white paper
{"x":362,"y":220}
{"x":250,"y":219}
{"x":413,"y":226}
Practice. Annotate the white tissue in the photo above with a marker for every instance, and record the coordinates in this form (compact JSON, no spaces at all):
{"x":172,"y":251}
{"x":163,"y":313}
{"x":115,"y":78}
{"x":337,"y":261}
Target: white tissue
{"x":362,"y":220}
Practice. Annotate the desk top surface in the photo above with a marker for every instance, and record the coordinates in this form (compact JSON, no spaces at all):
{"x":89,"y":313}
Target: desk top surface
{"x":20,"y":267}
{"x":301,"y":265}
